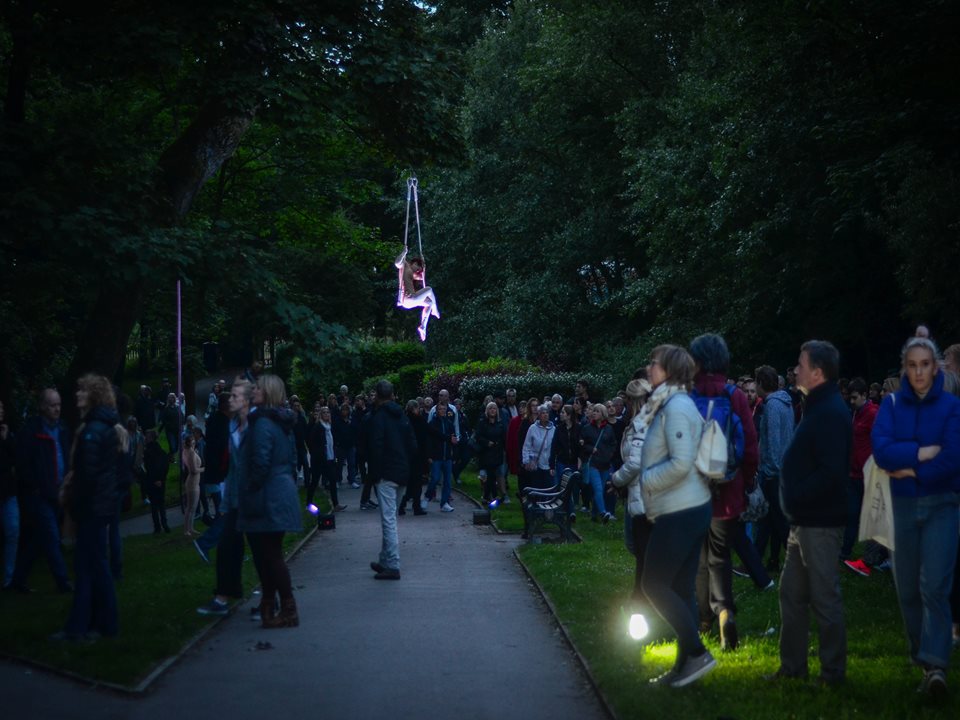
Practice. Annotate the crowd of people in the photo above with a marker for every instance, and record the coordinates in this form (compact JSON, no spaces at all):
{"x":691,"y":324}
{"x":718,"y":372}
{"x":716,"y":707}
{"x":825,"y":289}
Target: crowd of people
{"x":796,"y":447}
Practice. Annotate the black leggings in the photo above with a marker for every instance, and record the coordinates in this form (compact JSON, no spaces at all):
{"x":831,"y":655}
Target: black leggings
{"x":267,"y":550}
{"x":490,"y":491}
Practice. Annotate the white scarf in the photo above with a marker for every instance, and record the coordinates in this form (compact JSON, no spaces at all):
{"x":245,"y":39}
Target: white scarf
{"x":659,"y":398}
{"x":329,"y":432}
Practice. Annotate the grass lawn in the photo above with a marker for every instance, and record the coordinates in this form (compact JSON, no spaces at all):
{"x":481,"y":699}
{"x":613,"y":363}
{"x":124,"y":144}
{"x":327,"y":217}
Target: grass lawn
{"x":164,"y":583}
{"x":589,"y":585}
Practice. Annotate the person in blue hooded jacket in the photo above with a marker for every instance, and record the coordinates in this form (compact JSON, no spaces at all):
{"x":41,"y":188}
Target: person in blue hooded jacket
{"x":268,"y":504}
{"x":916,"y":438}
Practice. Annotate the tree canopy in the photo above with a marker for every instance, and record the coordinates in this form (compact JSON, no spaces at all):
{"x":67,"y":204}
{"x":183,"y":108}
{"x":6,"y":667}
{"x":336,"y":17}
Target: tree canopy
{"x":595,"y":177}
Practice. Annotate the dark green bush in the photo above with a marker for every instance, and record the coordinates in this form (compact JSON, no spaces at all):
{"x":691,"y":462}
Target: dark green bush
{"x":532,"y":384}
{"x":354,"y":366}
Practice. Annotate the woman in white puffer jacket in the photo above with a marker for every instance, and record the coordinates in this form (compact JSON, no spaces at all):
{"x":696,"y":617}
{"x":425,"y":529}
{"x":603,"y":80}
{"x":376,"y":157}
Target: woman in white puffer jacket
{"x":677,"y":502}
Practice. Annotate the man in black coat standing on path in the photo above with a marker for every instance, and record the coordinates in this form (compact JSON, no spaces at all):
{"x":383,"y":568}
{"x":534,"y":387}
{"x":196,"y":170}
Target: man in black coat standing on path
{"x":390,"y":448}
{"x":813,"y":494}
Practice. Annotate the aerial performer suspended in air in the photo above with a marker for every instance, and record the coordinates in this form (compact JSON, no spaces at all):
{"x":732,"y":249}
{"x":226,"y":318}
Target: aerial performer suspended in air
{"x":413,"y":291}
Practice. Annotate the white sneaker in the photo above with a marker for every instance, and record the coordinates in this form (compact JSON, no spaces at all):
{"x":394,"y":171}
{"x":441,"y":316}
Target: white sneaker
{"x":355,"y":486}
{"x":424,"y":504}
{"x":447,"y":507}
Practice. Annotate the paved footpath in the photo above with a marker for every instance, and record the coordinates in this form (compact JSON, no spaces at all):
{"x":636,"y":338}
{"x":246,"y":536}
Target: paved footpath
{"x":462,"y":635}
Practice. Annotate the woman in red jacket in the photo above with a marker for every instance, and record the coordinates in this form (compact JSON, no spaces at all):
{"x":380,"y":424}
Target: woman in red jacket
{"x":864,"y":415}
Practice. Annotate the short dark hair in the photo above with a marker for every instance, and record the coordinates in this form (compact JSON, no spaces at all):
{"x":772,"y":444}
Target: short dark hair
{"x":710,"y":353}
{"x":585,"y":383}
{"x":384,"y":390}
{"x":676,"y":363}
{"x":858,"y":385}
{"x":824,"y":356}
{"x":767,"y":378}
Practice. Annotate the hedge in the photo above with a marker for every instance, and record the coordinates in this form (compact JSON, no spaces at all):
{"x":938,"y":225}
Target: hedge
{"x":449,"y":377}
{"x":532,"y":384}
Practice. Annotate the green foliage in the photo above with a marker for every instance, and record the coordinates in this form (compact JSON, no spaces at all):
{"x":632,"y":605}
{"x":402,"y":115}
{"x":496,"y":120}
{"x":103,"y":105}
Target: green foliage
{"x":115,"y":187}
{"x":645,"y":172}
{"x":449,"y":377}
{"x":358,"y":365}
{"x":406,"y":381}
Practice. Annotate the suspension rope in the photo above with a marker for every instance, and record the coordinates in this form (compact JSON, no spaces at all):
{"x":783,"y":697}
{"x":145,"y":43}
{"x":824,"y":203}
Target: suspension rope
{"x":412,"y":195}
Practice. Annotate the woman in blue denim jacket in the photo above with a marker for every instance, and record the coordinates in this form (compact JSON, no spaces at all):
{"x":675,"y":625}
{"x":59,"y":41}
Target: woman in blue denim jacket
{"x":916,"y":438}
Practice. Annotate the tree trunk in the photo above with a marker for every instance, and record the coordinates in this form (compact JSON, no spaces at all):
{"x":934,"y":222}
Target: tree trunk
{"x":185,"y":166}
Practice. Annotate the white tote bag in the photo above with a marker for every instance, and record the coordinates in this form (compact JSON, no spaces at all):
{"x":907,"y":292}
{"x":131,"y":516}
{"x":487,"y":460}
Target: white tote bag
{"x":876,"y":513}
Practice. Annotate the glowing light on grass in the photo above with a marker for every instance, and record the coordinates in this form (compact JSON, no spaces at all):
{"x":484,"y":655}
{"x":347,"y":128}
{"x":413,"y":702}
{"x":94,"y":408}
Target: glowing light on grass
{"x":313,"y":509}
{"x":493,"y":504}
{"x":638,"y":627}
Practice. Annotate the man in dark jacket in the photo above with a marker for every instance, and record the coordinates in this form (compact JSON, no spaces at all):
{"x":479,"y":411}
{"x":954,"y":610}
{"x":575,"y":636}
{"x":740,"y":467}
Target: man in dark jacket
{"x":43,"y":459}
{"x":217,"y":453}
{"x":156,"y":464}
{"x":300,"y":429}
{"x":813,"y":493}
{"x":143,"y":408}
{"x":391,"y":446}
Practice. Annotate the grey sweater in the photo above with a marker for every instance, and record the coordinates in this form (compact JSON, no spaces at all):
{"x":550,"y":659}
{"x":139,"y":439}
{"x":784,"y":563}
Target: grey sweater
{"x":776,"y":430}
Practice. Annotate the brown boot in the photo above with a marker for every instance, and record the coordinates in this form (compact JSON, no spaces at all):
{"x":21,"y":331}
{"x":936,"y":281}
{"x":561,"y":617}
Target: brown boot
{"x":288,"y":612}
{"x":268,"y":618}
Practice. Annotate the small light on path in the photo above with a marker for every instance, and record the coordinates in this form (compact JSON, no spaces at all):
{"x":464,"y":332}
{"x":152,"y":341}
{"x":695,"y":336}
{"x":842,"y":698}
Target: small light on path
{"x":638,"y":626}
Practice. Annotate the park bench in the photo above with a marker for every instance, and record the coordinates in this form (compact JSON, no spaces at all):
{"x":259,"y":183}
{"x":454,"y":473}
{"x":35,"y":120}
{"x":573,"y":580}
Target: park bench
{"x":548,"y":506}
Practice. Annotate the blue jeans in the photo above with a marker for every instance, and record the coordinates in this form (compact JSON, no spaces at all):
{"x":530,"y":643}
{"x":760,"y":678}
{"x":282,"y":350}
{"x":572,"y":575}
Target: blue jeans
{"x":208,"y":541}
{"x":390,"y":546}
{"x":598,"y":480}
{"x":350,"y":460}
{"x":94,"y":599}
{"x":925,"y":532}
{"x":40,"y":530}
{"x":670,"y":571}
{"x":116,"y":544}
{"x":438,"y":469}
{"x":10,"y":517}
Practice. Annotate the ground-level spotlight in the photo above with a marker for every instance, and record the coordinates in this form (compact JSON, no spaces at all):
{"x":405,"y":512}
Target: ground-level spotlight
{"x":313,"y":509}
{"x":493,"y":504}
{"x":638,"y":627}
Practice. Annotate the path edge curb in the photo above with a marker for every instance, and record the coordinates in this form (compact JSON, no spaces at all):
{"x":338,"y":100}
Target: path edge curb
{"x":608,"y":709}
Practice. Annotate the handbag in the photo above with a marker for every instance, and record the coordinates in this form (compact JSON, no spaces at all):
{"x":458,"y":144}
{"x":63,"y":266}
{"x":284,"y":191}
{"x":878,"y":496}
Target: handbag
{"x":757,"y":505}
{"x":532,"y":464}
{"x":876,"y":513}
